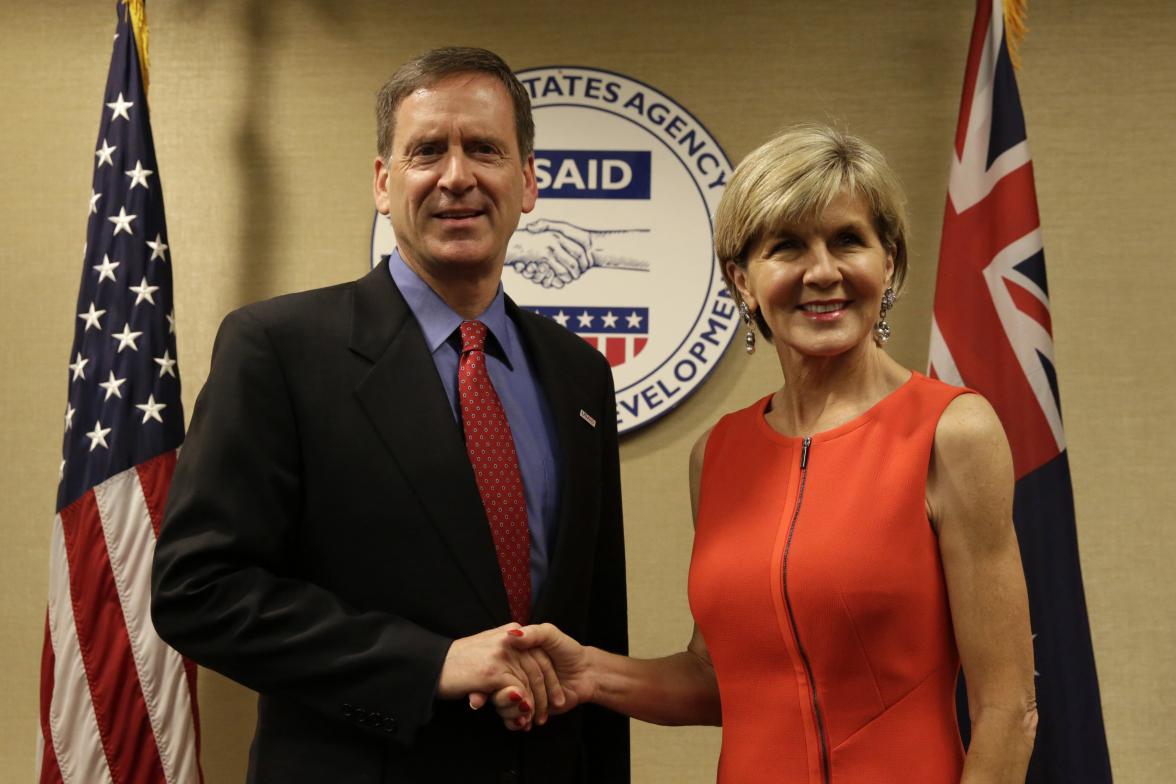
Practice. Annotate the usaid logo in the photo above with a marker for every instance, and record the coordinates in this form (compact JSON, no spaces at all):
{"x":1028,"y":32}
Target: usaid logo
{"x":619,"y":248}
{"x":593,"y":174}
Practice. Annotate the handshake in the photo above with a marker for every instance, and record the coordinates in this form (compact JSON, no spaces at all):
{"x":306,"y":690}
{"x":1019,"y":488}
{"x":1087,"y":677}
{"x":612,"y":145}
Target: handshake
{"x":552,"y":253}
{"x":526,"y":673}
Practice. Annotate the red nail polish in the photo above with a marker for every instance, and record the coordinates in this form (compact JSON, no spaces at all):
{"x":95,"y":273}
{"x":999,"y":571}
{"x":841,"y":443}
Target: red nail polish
{"x":520,"y":722}
{"x":525,"y":706}
{"x":516,"y":697}
{"x":515,"y":632}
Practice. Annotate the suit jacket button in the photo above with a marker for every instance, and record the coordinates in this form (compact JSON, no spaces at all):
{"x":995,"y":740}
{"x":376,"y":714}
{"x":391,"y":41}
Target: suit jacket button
{"x":347,"y":709}
{"x":389,"y":724}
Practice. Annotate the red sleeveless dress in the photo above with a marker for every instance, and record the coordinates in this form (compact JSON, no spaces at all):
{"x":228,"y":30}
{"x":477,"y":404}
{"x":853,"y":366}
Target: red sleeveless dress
{"x":817,"y":584}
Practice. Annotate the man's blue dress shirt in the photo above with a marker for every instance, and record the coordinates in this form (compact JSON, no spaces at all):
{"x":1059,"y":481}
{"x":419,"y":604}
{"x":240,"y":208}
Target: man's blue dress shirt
{"x":522,"y":399}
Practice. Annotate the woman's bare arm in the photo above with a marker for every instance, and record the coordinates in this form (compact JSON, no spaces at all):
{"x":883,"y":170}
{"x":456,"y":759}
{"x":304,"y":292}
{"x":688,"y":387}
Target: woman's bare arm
{"x":970,"y":500}
{"x":675,"y":690}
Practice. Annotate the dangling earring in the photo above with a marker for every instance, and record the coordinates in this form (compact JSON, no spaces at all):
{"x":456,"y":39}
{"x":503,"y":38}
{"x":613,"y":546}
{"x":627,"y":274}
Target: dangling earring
{"x":749,"y":338}
{"x":882,"y":329}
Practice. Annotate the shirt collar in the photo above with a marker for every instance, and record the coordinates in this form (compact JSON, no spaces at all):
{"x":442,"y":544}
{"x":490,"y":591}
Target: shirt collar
{"x":437,"y":320}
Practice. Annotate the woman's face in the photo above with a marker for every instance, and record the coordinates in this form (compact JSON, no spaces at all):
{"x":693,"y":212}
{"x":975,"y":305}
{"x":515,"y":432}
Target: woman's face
{"x":819,"y":284}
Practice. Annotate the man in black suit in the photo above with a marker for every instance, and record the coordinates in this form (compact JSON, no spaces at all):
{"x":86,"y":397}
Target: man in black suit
{"x":326,"y":542}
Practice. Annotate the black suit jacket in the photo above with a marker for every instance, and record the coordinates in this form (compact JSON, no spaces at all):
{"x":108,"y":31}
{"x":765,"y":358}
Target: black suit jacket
{"x":324,"y":542}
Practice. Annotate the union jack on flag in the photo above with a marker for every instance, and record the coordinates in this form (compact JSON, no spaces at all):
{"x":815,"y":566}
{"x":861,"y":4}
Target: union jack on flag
{"x":117,"y":704}
{"x":618,"y":333}
{"x":991,"y":331}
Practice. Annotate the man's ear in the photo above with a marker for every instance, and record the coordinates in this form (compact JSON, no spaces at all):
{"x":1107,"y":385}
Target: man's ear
{"x":530,"y":185}
{"x":380,"y":192}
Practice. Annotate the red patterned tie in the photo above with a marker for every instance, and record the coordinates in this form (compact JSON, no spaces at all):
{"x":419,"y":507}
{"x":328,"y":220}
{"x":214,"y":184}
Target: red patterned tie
{"x":496,"y":469}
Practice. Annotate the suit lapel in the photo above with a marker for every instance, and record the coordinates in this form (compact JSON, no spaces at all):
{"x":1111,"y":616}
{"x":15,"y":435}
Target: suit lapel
{"x":575,"y":532}
{"x":407,"y":405}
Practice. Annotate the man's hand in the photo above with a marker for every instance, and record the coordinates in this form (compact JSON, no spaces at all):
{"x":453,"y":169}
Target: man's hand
{"x":487,"y":663}
{"x":569,"y":661}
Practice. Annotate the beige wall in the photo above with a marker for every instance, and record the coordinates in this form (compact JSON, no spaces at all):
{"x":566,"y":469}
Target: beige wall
{"x":262,"y":116}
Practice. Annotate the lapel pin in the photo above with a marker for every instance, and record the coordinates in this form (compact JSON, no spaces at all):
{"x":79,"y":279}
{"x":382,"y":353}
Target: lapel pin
{"x":587,"y":417}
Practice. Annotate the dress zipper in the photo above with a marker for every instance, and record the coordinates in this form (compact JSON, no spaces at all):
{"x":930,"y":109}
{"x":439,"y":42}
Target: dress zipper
{"x":826,"y":776}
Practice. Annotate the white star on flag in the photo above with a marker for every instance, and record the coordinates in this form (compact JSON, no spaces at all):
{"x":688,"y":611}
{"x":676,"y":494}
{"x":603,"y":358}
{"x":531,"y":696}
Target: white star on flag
{"x":585,"y":319}
{"x":151,"y":409}
{"x":167,"y":365}
{"x":609,"y":319}
{"x":561,"y":318}
{"x":634,"y":319}
{"x":144,"y":292}
{"x":103,"y":154}
{"x":138,"y":176}
{"x":97,"y":436}
{"x":78,"y":366}
{"x":122,"y":221}
{"x":157,"y":248}
{"x":106,"y":268}
{"x":69,"y":412}
{"x":112,"y":386}
{"x":171,"y":322}
{"x":126,"y":338}
{"x":94,"y":197}
{"x":91,"y":318}
{"x":119,"y":108}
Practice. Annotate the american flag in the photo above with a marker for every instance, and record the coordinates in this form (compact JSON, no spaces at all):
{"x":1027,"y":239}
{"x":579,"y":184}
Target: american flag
{"x":117,"y":705}
{"x":992,"y":332}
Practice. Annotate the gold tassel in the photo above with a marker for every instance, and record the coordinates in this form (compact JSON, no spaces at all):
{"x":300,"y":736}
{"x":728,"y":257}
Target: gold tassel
{"x":1015,"y":14}
{"x":138,"y":9}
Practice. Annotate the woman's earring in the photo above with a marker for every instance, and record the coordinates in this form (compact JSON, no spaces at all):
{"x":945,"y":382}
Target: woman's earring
{"x":882,"y":329}
{"x":749,"y":338}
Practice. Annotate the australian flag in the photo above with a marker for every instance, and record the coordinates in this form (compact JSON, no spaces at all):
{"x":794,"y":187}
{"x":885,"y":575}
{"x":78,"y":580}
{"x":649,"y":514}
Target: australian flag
{"x":618,"y":333}
{"x":991,"y":331}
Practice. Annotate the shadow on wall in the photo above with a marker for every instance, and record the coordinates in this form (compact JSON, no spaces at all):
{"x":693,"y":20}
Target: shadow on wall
{"x":256,"y":164}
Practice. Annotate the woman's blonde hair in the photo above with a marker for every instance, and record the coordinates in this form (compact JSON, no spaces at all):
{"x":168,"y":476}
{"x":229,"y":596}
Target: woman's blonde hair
{"x":792,"y":179}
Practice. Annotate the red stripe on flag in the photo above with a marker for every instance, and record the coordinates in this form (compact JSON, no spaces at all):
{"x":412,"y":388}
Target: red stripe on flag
{"x":50,"y":772}
{"x":614,"y":350}
{"x":975,"y":52}
{"x":638,"y":344}
{"x":590,"y":340}
{"x":190,"y":676}
{"x":1030,"y":305}
{"x":117,"y":695}
{"x":155,"y":477}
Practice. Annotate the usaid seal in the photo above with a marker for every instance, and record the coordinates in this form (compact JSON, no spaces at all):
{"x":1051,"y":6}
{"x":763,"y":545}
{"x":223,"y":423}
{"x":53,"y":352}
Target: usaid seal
{"x":619,"y":248}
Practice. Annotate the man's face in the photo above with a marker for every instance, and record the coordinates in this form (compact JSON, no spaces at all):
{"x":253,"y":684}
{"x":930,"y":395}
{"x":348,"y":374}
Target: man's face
{"x":455,"y":184}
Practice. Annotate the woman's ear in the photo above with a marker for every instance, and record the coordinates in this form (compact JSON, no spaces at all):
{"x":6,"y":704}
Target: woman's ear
{"x":738,"y":277}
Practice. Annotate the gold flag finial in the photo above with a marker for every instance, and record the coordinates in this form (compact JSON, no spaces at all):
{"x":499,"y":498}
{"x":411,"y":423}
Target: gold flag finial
{"x":1015,"y":14}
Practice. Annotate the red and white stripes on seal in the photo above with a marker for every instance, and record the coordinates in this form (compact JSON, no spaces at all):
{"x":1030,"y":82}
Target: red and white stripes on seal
{"x":125,"y":701}
{"x":617,"y":348}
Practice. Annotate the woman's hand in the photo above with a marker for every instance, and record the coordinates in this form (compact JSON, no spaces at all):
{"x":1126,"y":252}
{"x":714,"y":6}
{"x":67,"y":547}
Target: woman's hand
{"x":564,"y":680}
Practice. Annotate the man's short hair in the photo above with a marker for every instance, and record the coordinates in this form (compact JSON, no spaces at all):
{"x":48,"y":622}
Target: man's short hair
{"x":434,"y":65}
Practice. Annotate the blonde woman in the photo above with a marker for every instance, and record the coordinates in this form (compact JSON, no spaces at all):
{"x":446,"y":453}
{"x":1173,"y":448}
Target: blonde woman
{"x":854,"y":541}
